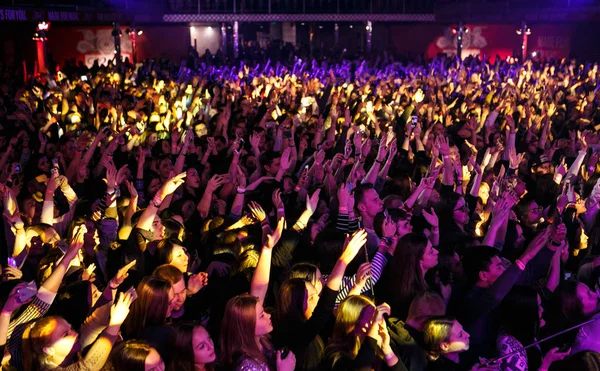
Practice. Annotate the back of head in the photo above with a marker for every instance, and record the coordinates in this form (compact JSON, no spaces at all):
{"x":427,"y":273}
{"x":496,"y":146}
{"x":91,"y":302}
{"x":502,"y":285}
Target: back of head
{"x":519,"y":314}
{"x":130,"y":355}
{"x":169,"y":273}
{"x":583,"y":361}
{"x":149,"y":309}
{"x":424,"y":306}
{"x":329,"y":244}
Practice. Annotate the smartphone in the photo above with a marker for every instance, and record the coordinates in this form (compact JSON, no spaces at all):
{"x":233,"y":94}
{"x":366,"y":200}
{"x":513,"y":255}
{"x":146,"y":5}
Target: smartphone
{"x":62,"y":246}
{"x":414,"y":120}
{"x":17,"y":169}
{"x":27,"y":292}
{"x":84,"y":78}
{"x":12,"y":262}
{"x":132,"y":293}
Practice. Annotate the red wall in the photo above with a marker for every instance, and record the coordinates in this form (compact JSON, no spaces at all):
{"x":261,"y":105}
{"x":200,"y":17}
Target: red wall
{"x":432,"y":39}
{"x":86,"y":43}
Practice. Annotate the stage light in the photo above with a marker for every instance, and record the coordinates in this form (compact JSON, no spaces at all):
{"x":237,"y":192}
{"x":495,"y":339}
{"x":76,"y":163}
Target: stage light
{"x":140,"y":32}
{"x":351,"y":26}
{"x":534,"y":54}
{"x":192,"y":28}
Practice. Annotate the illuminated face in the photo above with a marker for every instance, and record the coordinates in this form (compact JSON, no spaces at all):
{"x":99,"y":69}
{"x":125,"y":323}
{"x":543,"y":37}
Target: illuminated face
{"x":311,"y":300}
{"x":63,"y":341}
{"x":430,"y":257}
{"x":461,"y":212}
{"x":458,"y":340}
{"x":371,"y":203}
{"x":204,"y":348}
{"x":158,"y":230}
{"x":179,"y":296}
{"x":264,"y":325}
{"x":179,"y":258}
{"x":154,"y":362}
{"x":587,"y":298}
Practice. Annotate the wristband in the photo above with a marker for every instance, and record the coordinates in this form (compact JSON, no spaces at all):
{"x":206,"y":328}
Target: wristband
{"x":520,"y":264}
{"x":343,"y":209}
{"x":389,"y":356}
{"x":445,"y":157}
{"x":379,"y":162}
{"x":156,"y":201}
{"x":241,"y":190}
{"x":281,"y":211}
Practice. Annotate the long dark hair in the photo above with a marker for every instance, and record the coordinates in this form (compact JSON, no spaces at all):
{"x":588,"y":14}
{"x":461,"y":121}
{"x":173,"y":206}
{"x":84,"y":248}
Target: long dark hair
{"x":520,"y":319}
{"x":149,"y":309}
{"x":407,"y":279}
{"x":181,"y":348}
{"x":129,"y":355}
{"x":445,"y":210}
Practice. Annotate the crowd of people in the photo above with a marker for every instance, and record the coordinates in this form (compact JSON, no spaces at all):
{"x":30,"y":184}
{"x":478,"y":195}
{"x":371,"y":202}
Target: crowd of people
{"x":350,"y":216}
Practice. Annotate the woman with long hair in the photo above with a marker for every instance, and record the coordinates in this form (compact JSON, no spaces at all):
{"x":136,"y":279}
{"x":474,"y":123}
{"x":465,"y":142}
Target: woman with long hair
{"x":360,"y":337}
{"x":190,"y":349}
{"x":51,"y":344}
{"x":303,"y":312}
{"x":454,"y":213}
{"x":245,"y":328}
{"x":149,"y":313}
{"x":135,"y":355}
{"x":405,"y":274}
{"x":520,"y":322}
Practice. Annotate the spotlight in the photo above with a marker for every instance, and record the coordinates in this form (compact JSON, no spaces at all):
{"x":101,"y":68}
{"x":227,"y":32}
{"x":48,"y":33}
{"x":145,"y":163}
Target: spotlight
{"x":140,"y":32}
{"x":351,"y":26}
{"x":534,"y":54}
{"x":192,"y":28}
{"x":320,"y":27}
{"x":302,"y":24}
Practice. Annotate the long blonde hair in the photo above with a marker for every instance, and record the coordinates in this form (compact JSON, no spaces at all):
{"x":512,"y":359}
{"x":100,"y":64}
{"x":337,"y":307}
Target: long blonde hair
{"x":345,"y":341}
{"x":238,"y":329}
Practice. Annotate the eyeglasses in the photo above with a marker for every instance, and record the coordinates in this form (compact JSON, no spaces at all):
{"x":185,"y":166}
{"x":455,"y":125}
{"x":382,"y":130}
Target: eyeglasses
{"x":464,"y":208}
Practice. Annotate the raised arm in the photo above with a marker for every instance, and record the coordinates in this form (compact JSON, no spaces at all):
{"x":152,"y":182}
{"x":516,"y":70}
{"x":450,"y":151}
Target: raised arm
{"x":260,"y":278}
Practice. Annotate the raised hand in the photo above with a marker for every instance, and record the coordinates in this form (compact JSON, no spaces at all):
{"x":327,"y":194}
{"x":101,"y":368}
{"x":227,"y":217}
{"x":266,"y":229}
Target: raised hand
{"x":274,"y":237}
{"x":120,"y":309}
{"x":514,"y":159}
{"x":313,"y":201}
{"x":353,"y":244}
{"x":286,"y":159}
{"x":257,"y":211}
{"x":13,"y":302}
{"x":172,"y":184}
{"x":131,"y":188}
{"x":276,"y":199}
{"x":442,"y":145}
{"x":343,"y":194}
{"x":363,"y":274}
{"x":197,"y":282}
{"x":215,"y":182}
{"x":431,"y":218}
{"x":121,"y":275}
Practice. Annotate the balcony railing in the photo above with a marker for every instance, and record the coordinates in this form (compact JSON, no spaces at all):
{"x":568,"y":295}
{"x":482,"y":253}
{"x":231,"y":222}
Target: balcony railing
{"x":299,"y":6}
